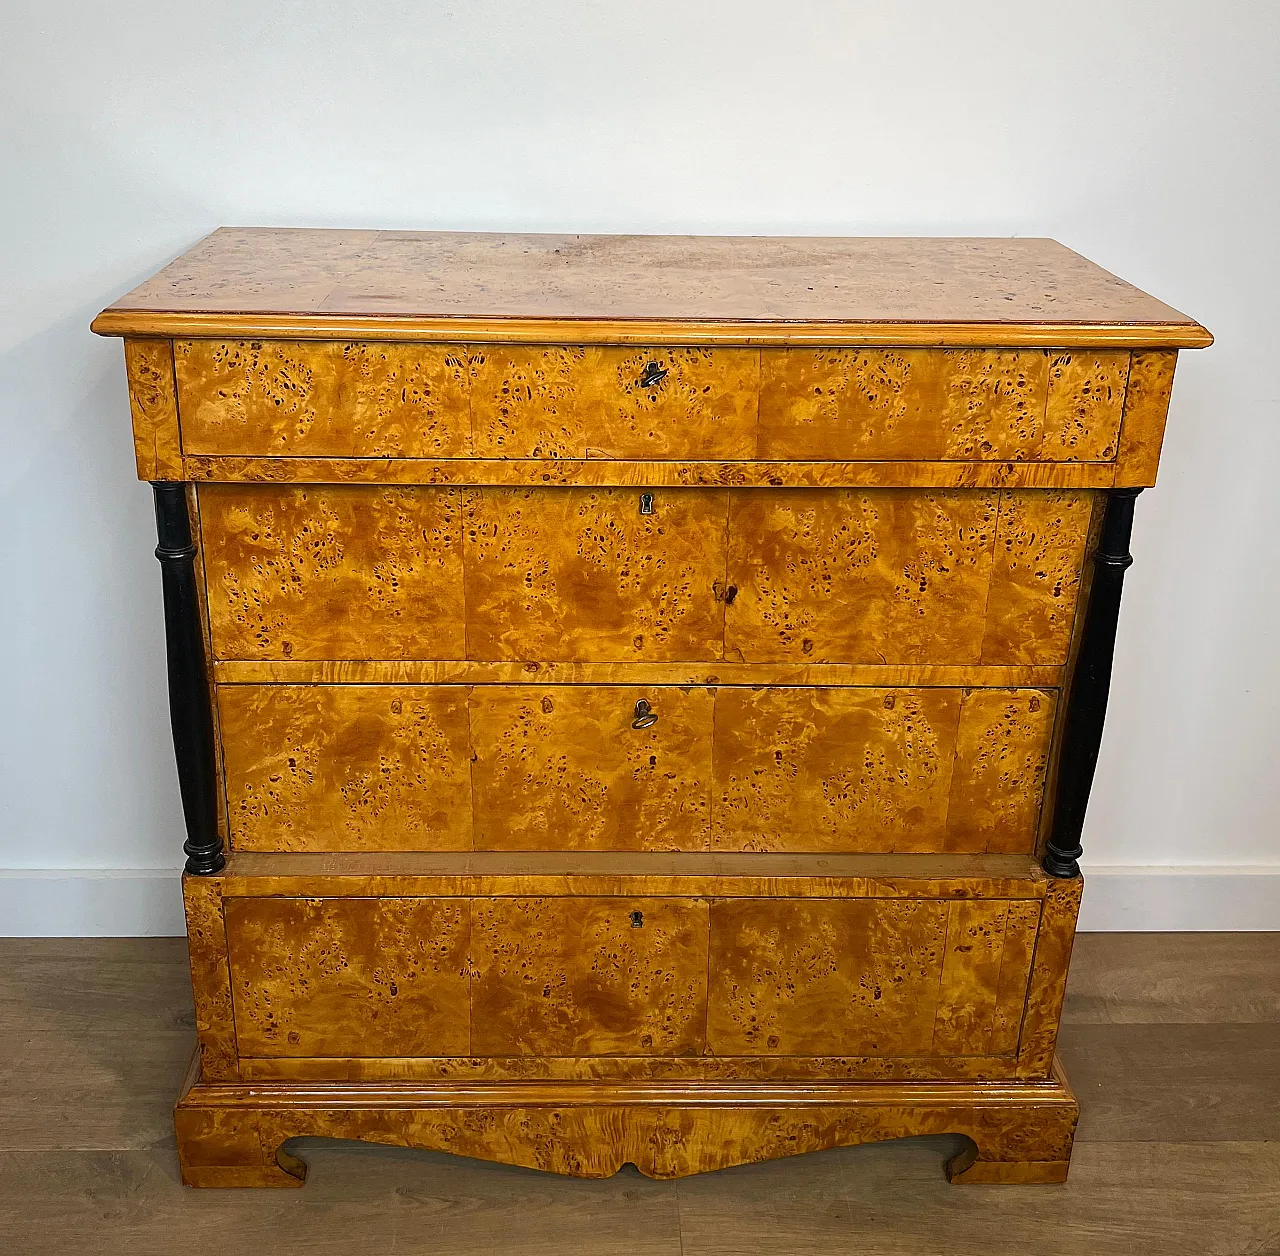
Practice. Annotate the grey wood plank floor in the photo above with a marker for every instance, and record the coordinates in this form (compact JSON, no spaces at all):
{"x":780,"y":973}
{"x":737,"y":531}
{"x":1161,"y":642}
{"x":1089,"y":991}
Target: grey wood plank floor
{"x":1171,"y":1040}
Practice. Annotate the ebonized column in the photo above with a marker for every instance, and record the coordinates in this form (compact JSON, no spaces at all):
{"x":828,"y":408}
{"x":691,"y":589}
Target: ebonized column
{"x":189,"y":710}
{"x":1090,"y":685}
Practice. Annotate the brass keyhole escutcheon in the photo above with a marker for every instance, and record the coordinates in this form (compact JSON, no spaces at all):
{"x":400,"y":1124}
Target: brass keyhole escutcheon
{"x":646,"y":503}
{"x":637,"y":920}
{"x":645,"y":716}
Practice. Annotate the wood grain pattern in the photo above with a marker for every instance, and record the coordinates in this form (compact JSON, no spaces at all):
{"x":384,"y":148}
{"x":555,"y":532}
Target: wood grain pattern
{"x":353,"y":767}
{"x":824,"y":977}
{"x":569,"y":472}
{"x":589,"y":976}
{"x":585,"y":401}
{"x":534,"y":672}
{"x":899,"y":576}
{"x":518,"y":767}
{"x":581,"y":574}
{"x":879,"y":769}
{"x":325,"y":572}
{"x":908,"y":978}
{"x":280,"y":397}
{"x":210,"y":977}
{"x":985,"y":972}
{"x":1041,"y":544}
{"x":599,"y":873}
{"x":1084,"y":405}
{"x":1001,"y":763}
{"x":565,"y":770}
{"x":1049,"y":977}
{"x":833,"y":769}
{"x":234,"y":1136}
{"x":904,"y":403}
{"x":153,"y":403}
{"x":694,"y":1070}
{"x":654,"y":289}
{"x":319,"y":977}
{"x":1146,"y":406}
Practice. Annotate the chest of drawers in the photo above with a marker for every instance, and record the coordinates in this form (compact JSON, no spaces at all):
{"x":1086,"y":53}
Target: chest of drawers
{"x":635,"y":698}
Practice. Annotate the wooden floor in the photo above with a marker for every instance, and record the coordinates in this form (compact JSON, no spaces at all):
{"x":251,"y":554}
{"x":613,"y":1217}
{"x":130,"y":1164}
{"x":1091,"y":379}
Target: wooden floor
{"x":1172,"y":1043}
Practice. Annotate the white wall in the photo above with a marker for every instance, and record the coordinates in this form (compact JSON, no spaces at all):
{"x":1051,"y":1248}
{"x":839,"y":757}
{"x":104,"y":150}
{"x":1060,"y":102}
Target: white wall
{"x":1143,"y":134}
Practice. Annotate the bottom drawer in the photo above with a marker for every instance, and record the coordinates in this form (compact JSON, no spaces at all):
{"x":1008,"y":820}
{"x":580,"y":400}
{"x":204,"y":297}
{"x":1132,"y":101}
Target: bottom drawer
{"x":838,"y":976}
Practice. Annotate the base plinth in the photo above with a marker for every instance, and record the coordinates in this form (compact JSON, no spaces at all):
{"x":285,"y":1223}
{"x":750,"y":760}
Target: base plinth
{"x":232,"y":1134}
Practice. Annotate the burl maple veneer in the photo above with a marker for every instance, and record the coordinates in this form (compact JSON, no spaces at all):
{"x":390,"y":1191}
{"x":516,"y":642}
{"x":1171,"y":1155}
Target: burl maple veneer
{"x":635,"y":699}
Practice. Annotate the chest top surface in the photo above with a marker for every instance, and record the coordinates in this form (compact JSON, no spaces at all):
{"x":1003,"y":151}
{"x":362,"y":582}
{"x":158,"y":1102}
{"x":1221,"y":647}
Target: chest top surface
{"x":312,"y":283}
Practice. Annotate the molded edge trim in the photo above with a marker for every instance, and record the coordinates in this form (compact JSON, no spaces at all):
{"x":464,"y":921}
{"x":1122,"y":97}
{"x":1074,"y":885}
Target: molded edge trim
{"x":320,"y":326}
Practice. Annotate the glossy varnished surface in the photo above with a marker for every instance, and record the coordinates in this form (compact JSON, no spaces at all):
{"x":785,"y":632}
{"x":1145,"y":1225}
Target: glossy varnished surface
{"x":307,"y":977}
{"x":584,"y":574}
{"x":890,"y":576}
{"x":898,"y":978}
{"x":534,"y":767}
{"x":316,"y":573}
{"x":591,"y":402}
{"x":951,"y":405}
{"x":277,"y":397}
{"x":422,"y":281}
{"x":904,"y":576}
{"x":459,"y":958}
{"x":585,"y":976}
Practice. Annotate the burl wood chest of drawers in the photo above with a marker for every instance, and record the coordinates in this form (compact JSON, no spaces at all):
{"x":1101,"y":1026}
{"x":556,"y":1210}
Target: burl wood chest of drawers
{"x":635,"y":699}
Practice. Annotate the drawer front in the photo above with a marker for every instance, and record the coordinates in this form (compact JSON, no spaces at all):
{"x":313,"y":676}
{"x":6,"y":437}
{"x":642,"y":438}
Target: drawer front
{"x":322,"y":399}
{"x":589,"y":976}
{"x":877,"y":576}
{"x":349,"y":976}
{"x":562,"y":767}
{"x":941,"y":404}
{"x":629,"y":976}
{"x":316,"y":573}
{"x":260,"y":398}
{"x":869,"y":977}
{"x":539,"y":401}
{"x":902,"y":576}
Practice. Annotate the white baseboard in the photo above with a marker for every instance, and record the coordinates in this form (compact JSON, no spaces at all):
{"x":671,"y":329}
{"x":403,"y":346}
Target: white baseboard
{"x":91,"y":903}
{"x":147,"y":902}
{"x":1165,"y":899}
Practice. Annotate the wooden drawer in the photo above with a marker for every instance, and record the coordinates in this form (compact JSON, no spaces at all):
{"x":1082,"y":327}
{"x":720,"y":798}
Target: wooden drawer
{"x":941,"y":404}
{"x":632,"y":976}
{"x":877,"y":576}
{"x":363,"y":400}
{"x":869,"y":977}
{"x":561,"y":767}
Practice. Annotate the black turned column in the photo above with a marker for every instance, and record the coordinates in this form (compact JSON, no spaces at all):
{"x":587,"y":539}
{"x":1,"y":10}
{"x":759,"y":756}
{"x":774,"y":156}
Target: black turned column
{"x":1090,"y":685}
{"x":189,"y":709}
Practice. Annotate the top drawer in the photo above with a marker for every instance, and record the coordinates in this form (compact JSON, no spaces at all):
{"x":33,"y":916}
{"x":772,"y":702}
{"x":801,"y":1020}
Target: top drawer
{"x":331,"y":399}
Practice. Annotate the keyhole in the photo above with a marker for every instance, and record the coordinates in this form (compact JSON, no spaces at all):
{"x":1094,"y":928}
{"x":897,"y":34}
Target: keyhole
{"x":637,"y":920}
{"x":646,"y":503}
